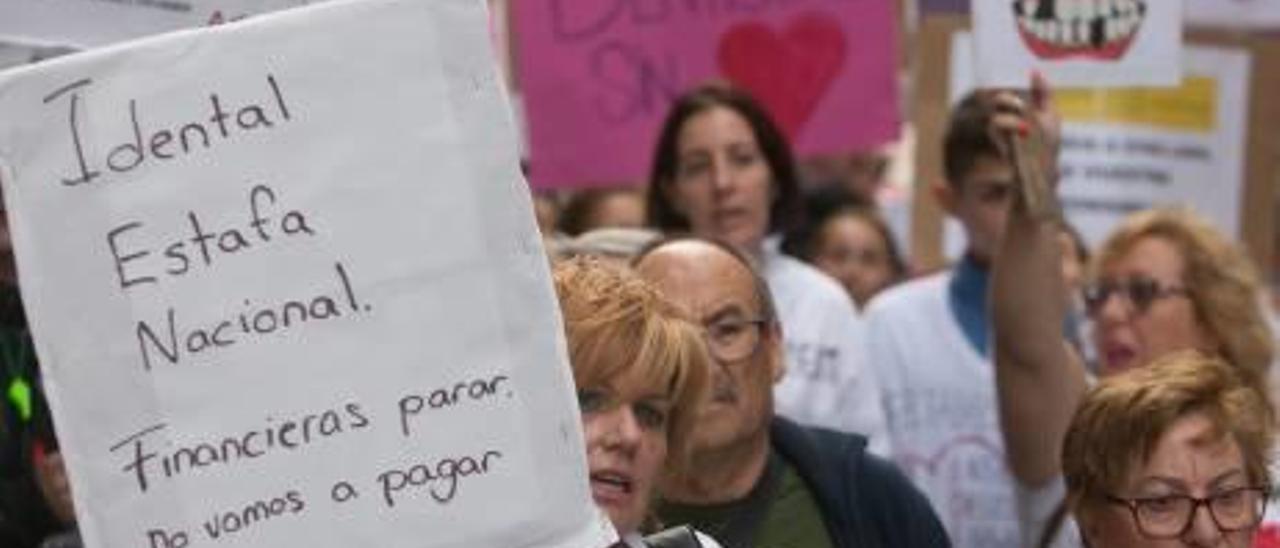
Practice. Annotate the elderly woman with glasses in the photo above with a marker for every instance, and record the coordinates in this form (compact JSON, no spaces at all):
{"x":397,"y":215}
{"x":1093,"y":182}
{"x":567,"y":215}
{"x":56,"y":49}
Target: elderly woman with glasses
{"x":1164,"y":281}
{"x":1171,"y":454}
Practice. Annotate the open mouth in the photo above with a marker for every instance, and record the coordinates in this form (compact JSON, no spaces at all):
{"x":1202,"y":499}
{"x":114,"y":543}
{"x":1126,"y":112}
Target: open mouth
{"x":1097,"y":29}
{"x":610,"y":485}
{"x":1118,"y":358}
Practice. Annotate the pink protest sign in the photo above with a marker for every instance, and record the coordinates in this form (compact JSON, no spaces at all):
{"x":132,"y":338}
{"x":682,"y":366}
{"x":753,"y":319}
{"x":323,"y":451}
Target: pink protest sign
{"x":598,"y":75}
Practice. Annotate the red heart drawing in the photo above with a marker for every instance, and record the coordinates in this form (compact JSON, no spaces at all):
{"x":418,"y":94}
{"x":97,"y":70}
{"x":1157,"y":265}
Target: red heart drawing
{"x":789,"y":72}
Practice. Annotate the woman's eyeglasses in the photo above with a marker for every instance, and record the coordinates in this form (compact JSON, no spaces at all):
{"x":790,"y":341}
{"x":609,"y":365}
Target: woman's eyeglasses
{"x":1138,"y":291}
{"x":1170,"y":516}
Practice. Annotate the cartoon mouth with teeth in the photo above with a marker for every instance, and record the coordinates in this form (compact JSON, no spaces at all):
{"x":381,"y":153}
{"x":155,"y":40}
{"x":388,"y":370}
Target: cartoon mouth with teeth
{"x":1094,"y":29}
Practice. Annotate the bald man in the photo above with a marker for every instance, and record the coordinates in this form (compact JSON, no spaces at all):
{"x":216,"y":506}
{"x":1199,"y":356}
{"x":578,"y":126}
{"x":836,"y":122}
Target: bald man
{"x":756,"y":479}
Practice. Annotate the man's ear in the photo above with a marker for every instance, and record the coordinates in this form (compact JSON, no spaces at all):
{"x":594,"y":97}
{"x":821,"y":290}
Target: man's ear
{"x":946,"y":195}
{"x":772,"y":333}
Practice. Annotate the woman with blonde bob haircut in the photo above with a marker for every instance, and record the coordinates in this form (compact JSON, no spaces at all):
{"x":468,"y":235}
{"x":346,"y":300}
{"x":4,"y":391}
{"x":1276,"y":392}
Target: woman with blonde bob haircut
{"x":1172,"y":454}
{"x":641,"y":367}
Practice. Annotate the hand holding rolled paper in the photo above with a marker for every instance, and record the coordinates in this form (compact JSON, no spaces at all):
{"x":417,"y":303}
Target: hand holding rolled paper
{"x":1036,"y":195}
{"x":1028,"y":133}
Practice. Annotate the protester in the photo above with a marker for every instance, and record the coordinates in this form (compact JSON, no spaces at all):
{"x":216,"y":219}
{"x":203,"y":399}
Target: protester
{"x":590,"y":209}
{"x":756,"y":479}
{"x":1164,"y":281}
{"x":848,"y":240}
{"x":928,"y":340}
{"x":722,"y":169}
{"x":1173,"y":453}
{"x":641,"y":369}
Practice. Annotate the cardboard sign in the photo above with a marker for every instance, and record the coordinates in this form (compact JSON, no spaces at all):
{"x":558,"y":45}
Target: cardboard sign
{"x":89,"y":23}
{"x":287,"y":290}
{"x":1078,"y":42}
{"x":1124,"y":150}
{"x":598,"y":77}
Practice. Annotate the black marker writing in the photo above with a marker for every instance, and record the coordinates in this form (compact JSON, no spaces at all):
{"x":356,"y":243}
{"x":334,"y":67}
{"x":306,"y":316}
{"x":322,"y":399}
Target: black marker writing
{"x":172,"y":342}
{"x":160,"y":143}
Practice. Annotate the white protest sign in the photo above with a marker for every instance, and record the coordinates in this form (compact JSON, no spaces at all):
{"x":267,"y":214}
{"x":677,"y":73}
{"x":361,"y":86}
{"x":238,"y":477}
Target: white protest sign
{"x":1130,"y":149}
{"x":287,"y":289}
{"x":89,"y":23}
{"x":1078,"y":42}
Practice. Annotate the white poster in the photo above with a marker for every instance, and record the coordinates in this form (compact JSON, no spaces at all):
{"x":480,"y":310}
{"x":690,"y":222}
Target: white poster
{"x":1238,"y":14}
{"x":1078,"y":42}
{"x":90,"y":23}
{"x":1130,"y":149}
{"x":287,"y":289}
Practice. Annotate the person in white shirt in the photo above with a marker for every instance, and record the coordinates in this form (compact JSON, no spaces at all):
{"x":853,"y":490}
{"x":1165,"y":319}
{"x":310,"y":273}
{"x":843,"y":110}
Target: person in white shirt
{"x":929,"y":341}
{"x":723,"y":170}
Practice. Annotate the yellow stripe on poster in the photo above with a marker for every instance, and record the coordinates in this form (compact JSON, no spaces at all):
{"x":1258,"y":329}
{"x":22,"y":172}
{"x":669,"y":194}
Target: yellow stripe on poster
{"x":1189,"y":107}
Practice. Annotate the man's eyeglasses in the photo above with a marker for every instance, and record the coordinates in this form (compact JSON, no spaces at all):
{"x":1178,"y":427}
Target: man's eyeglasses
{"x":732,"y":340}
{"x":1139,"y":291}
{"x":1170,"y":516}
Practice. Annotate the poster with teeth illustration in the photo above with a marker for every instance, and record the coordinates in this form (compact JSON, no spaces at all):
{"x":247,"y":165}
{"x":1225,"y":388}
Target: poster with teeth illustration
{"x":1078,"y":43}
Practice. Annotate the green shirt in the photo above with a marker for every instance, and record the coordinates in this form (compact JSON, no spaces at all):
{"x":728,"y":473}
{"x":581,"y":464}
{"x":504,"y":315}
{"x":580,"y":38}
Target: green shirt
{"x":791,"y":519}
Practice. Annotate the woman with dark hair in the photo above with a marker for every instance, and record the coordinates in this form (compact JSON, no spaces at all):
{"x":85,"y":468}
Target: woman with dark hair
{"x":723,"y":170}
{"x":850,"y":241}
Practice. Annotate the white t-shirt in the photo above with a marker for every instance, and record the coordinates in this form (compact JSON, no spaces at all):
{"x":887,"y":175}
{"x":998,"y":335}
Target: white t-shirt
{"x":940,"y":402}
{"x":826,"y":383}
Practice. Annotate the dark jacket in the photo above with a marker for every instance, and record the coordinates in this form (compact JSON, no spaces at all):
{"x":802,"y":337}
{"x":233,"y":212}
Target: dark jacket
{"x":865,"y":500}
